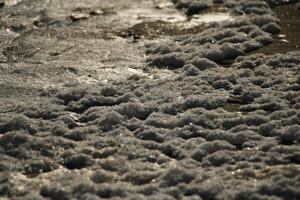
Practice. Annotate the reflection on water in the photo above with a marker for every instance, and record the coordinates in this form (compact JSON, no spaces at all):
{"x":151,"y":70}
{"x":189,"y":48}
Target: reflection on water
{"x":210,"y":18}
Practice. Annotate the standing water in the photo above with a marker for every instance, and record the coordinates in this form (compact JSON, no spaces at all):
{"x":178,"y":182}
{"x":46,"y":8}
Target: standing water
{"x":289,"y":37}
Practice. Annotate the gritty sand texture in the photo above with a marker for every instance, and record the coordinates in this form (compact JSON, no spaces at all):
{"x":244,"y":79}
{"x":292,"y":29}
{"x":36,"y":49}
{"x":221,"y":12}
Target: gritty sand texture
{"x":157,"y":100}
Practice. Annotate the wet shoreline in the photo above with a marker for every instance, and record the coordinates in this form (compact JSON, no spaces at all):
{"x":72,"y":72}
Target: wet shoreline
{"x":288,"y":38}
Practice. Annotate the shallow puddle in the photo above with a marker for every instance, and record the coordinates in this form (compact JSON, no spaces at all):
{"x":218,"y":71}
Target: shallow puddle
{"x":289,"y":37}
{"x":165,"y":27}
{"x":232,"y":107}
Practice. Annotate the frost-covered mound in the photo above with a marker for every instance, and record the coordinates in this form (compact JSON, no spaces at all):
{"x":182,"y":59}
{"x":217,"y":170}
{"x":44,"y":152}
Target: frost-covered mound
{"x":226,"y":133}
{"x":197,"y":129}
{"x":260,"y":7}
{"x":250,"y":30}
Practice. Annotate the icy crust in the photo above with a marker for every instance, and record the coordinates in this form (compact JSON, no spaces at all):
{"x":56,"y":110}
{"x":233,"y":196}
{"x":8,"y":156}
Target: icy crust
{"x":220,"y":41}
{"x":224,"y":133}
{"x":209,"y":132}
{"x":251,"y":29}
{"x":259,"y":7}
{"x":209,"y":47}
